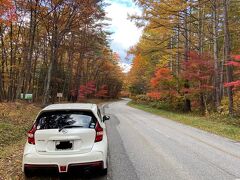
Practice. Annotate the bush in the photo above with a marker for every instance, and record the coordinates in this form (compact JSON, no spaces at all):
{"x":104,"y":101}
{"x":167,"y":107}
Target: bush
{"x":166,"y":102}
{"x":178,"y":103}
{"x":237,"y":103}
{"x":223,"y":109}
{"x":161,"y":105}
{"x":142,"y":99}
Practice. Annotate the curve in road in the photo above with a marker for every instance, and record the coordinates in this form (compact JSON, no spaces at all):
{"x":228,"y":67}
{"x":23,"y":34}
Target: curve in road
{"x":147,"y":146}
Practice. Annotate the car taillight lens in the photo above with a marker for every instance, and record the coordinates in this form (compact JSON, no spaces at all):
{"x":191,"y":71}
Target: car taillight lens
{"x":99,"y":132}
{"x":31,"y":134}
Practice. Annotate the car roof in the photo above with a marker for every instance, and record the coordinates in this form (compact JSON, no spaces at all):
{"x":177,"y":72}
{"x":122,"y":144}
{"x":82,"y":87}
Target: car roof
{"x":71,"y":106}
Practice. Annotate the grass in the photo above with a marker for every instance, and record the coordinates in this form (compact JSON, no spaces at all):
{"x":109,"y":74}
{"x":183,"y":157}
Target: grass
{"x":15,"y":120}
{"x":219,"y":125}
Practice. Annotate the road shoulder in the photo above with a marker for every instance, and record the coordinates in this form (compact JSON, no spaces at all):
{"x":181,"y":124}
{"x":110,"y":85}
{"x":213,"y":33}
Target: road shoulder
{"x":219,"y":128}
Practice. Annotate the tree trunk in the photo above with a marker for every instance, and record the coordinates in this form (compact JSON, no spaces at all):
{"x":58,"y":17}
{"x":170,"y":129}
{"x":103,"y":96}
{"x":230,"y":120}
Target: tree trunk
{"x":227,"y":57}
{"x":3,"y":64}
{"x":215,"y":54}
{"x":31,"y":42}
{"x":187,"y":102}
{"x":1,"y":69}
{"x":47,"y":88}
{"x":200,"y":50}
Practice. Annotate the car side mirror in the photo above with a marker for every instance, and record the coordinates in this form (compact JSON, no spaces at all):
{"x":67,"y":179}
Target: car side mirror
{"x":105,"y":118}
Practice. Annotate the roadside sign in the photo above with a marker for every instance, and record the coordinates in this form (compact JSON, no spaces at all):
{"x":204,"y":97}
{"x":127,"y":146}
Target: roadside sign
{"x":27,"y":96}
{"x":59,"y":95}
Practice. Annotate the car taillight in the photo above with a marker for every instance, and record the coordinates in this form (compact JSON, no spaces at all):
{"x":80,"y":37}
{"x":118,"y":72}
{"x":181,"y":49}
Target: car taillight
{"x":99,"y":132}
{"x":31,"y":134}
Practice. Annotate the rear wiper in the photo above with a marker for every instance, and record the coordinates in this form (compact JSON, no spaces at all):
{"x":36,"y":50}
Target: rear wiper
{"x":68,"y":126}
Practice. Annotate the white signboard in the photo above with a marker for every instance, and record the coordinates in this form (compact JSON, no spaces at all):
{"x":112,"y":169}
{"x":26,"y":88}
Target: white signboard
{"x":59,"y":95}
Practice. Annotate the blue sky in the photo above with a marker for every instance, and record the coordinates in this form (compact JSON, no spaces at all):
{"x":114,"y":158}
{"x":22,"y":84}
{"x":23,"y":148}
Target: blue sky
{"x":125,"y":33}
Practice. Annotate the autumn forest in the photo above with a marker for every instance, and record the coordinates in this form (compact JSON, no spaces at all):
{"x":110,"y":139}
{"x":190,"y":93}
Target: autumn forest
{"x":49,"y":47}
{"x":188,"y":56}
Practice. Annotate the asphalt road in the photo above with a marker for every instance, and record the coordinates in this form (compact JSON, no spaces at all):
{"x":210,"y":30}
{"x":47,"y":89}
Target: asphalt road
{"x":147,"y":147}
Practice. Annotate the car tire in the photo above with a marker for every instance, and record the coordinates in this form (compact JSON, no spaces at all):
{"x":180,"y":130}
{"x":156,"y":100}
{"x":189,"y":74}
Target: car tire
{"x":104,"y":172}
{"x":28,"y":174}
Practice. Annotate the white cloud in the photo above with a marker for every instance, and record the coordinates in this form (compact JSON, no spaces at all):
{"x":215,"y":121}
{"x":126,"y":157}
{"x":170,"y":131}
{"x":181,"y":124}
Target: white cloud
{"x":125,"y":67}
{"x":125,"y":33}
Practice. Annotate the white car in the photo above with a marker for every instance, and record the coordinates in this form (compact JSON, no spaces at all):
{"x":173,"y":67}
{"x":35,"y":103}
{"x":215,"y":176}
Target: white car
{"x":66,"y":137}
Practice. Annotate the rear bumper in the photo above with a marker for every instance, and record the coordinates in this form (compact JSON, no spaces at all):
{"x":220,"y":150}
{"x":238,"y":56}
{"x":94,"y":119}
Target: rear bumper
{"x":64,"y":168}
{"x":63,"y":163}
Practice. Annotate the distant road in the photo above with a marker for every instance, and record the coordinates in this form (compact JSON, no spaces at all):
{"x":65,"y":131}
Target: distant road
{"x":148,"y":147}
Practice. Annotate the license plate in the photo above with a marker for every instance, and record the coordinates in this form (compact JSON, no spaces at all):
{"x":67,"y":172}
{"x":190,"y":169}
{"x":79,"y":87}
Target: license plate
{"x":64,"y":145}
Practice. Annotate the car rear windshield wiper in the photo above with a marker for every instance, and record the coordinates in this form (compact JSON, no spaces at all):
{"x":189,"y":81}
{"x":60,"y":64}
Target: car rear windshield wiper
{"x":68,"y":126}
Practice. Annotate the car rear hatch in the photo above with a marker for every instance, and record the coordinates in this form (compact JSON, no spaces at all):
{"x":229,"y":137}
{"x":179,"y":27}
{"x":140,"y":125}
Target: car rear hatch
{"x":65,"y":132}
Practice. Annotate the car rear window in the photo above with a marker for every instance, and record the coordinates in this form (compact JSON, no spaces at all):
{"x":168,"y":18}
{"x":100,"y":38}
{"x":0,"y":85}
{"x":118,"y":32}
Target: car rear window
{"x":59,"y":119}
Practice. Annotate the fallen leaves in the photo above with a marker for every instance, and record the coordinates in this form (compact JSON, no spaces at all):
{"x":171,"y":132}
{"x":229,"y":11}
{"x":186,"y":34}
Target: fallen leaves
{"x":15,"y":119}
{"x":11,"y":161}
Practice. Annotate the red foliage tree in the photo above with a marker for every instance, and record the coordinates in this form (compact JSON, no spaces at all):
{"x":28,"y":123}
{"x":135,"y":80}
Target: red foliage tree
{"x":102,"y":92}
{"x":155,"y":95}
{"x":82,"y":92}
{"x":163,"y":84}
{"x":7,"y":11}
{"x":199,"y":71}
{"x":90,"y":88}
{"x":236,"y":64}
{"x":161,"y":78}
{"x":87,"y":90}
